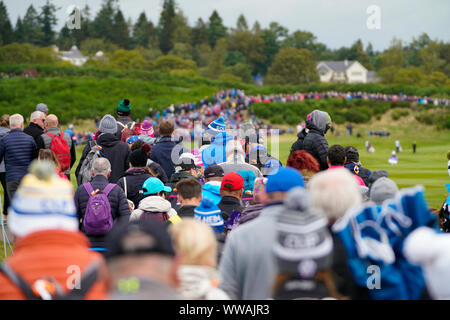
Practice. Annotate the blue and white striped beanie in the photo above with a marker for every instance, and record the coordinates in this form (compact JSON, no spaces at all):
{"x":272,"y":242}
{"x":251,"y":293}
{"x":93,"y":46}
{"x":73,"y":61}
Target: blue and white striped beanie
{"x":209,"y":213}
{"x":43,"y":201}
{"x":216,"y":126}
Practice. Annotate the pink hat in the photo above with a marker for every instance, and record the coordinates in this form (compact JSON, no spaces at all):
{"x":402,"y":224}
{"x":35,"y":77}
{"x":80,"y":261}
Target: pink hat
{"x":147,"y":128}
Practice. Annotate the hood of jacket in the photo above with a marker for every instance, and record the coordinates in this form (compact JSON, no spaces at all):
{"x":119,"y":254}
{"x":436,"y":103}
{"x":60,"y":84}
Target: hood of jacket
{"x":107,"y":140}
{"x":318,"y":121}
{"x":155,"y":204}
{"x":3,"y":131}
{"x":213,"y":187}
{"x":199,"y":282}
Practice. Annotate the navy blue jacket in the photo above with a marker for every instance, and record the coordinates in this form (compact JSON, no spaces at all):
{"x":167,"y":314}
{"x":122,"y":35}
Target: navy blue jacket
{"x":162,"y":154}
{"x":119,"y":206}
{"x":18,"y":149}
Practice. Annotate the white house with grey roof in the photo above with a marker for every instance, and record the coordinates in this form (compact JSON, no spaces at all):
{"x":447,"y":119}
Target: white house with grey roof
{"x":74,"y":56}
{"x":342,"y":71}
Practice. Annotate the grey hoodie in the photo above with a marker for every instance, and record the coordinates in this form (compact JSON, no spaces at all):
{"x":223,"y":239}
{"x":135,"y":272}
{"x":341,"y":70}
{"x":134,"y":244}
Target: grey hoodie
{"x":320,"y":119}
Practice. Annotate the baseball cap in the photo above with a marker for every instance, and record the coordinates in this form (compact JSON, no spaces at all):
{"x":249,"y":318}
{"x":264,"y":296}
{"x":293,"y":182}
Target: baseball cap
{"x":214,"y":170}
{"x":153,"y":185}
{"x":187,"y":160}
{"x":284,"y":180}
{"x":232,"y":181}
{"x":139,"y":237}
{"x":42,"y":107}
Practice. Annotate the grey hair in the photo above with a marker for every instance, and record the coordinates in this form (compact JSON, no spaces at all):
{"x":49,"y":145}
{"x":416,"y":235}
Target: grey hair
{"x":334,"y":192}
{"x":36,"y":115}
{"x":15,"y":121}
{"x":101,"y":166}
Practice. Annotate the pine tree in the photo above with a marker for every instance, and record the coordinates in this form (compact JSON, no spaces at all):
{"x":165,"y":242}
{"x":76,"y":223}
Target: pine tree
{"x":167,"y":26}
{"x":199,"y":33}
{"x":19,"y":31}
{"x":121,"y":33}
{"x":104,"y":21}
{"x":242,"y":23}
{"x":47,"y":20}
{"x":32,"y":32}
{"x":216,"y":29}
{"x":142,"y":31}
{"x":6,"y":30}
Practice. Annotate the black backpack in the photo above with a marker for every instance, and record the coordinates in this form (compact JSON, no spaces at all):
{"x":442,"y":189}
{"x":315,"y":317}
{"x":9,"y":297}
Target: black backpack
{"x":39,"y":289}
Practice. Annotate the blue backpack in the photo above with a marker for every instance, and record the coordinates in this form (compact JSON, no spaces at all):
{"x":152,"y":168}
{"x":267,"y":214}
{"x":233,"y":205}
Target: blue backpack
{"x":97,"y":218}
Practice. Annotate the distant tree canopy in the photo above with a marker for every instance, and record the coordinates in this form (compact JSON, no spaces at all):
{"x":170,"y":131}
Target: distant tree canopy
{"x":218,"y":51}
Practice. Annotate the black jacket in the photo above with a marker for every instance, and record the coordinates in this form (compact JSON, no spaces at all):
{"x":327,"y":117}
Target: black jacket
{"x":115,"y":151}
{"x":33,"y":130}
{"x":298,"y":145}
{"x":158,"y":170}
{"x":186,"y":211}
{"x":119,"y":207}
{"x":229,"y":204}
{"x":135,"y":179}
{"x":316,"y":145}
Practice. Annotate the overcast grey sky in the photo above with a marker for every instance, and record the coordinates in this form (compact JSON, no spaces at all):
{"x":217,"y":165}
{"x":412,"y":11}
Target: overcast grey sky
{"x":335,"y":22}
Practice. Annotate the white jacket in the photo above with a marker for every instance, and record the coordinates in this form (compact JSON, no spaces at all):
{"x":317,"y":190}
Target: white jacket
{"x":153,"y":204}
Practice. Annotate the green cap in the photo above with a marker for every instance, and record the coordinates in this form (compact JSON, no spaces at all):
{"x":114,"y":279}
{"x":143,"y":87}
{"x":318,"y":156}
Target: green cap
{"x":124,"y":107}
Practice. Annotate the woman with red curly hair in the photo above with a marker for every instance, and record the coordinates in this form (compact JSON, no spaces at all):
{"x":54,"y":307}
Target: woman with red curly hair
{"x":303,"y":162}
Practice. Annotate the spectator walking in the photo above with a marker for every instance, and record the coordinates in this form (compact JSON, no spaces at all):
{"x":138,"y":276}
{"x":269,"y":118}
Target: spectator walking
{"x":113,"y":149}
{"x":59,"y":142}
{"x":36,"y":126}
{"x":248,"y":266}
{"x":42,"y":107}
{"x":49,"y":155}
{"x":333,"y":193}
{"x":305,"y":163}
{"x":231,"y":191}
{"x":155,"y":168}
{"x":44,"y":222}
{"x":142,"y":262}
{"x":304,"y":271}
{"x":189,"y":196}
{"x":18,"y":150}
{"x":4,"y":130}
{"x":162,"y":150}
{"x":131,"y":183}
{"x":236,"y":160}
{"x":315,"y":143}
{"x":336,"y":158}
{"x":196,"y":245}
{"x":124,"y":120}
{"x":114,"y":209}
{"x":155,"y":205}
{"x":213,"y":179}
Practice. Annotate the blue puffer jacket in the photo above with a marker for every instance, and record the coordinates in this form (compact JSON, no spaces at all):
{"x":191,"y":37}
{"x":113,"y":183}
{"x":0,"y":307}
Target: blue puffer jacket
{"x":18,"y":149}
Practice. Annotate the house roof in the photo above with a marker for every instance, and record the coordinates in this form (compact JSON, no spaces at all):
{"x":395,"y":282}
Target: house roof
{"x":337,"y":66}
{"x":74,"y":53}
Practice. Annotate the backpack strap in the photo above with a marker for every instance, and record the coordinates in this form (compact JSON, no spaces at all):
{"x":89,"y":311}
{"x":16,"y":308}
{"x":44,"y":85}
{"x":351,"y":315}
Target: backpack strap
{"x":108,"y":188}
{"x":88,"y":187}
{"x":18,"y":281}
{"x":87,"y":281}
{"x":125,"y":186}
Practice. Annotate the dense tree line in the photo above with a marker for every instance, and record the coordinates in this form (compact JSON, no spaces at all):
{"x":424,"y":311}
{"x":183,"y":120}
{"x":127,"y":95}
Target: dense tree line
{"x":218,"y":51}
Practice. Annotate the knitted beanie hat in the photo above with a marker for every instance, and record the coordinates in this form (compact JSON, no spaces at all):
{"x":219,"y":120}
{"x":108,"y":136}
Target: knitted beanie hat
{"x":147,"y":129}
{"x":124,"y":108}
{"x":138,"y":158}
{"x":383,"y":189}
{"x":216,"y":126}
{"x":43,"y":201}
{"x":304,"y":244}
{"x":108,"y":124}
{"x":209,"y":213}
